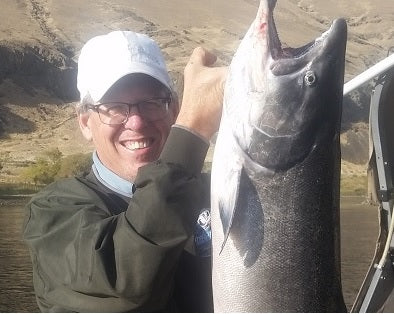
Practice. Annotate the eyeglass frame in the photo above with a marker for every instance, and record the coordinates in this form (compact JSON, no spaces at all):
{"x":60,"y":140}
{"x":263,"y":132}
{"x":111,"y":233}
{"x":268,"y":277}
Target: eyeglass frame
{"x":95,"y":107}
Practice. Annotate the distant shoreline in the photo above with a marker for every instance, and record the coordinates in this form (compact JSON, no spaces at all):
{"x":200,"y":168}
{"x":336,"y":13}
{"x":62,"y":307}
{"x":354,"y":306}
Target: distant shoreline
{"x":14,"y":200}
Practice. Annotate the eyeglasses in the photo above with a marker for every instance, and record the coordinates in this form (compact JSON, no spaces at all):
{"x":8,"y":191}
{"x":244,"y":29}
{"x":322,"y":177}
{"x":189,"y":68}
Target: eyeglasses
{"x":114,"y":113}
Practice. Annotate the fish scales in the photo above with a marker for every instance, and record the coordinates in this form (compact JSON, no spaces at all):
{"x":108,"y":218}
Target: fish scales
{"x":275,"y":175}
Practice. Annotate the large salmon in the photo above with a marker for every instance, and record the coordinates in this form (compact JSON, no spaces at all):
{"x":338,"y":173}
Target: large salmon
{"x":276,"y":172}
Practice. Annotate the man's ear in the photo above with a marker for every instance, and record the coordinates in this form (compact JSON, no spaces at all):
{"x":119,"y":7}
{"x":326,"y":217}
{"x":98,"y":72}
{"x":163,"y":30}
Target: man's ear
{"x":83,"y":120}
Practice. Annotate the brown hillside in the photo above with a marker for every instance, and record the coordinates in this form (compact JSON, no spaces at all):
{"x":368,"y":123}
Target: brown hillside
{"x":40,"y":42}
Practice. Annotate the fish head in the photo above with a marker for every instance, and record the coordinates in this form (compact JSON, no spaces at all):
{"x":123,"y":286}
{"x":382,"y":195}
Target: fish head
{"x":285,"y":102}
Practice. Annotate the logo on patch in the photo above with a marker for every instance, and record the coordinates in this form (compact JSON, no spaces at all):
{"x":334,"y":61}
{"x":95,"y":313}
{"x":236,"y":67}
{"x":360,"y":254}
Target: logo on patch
{"x":202,"y":234}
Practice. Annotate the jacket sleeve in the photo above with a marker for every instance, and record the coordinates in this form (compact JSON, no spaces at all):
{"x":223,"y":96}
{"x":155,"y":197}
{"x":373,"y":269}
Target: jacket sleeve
{"x":85,"y":259}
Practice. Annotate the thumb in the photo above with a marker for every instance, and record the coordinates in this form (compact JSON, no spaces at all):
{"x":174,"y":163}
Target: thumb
{"x":202,"y":57}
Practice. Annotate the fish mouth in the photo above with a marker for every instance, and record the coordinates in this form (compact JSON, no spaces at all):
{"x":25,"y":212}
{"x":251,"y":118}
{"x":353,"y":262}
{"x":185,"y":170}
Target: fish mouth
{"x":303,"y":66}
{"x":294,"y":95}
{"x":301,"y":99}
{"x":287,"y":60}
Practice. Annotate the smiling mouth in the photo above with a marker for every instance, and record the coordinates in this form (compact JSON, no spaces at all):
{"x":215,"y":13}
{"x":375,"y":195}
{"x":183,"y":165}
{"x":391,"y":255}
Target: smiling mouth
{"x":140,"y":144}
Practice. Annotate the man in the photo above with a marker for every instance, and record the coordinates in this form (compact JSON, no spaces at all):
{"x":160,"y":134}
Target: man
{"x":121,"y":237}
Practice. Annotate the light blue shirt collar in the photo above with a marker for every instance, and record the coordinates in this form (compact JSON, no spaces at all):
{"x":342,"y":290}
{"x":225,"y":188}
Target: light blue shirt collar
{"x":110,"y":179}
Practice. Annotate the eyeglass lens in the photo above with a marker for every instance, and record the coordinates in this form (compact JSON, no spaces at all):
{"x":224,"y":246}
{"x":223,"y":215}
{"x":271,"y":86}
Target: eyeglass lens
{"x":118,"y":113}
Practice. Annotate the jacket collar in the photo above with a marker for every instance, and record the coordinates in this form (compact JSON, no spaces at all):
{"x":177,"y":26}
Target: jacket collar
{"x":110,"y":179}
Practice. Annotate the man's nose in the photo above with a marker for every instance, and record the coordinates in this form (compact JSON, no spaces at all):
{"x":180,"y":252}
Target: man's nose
{"x":135,"y":121}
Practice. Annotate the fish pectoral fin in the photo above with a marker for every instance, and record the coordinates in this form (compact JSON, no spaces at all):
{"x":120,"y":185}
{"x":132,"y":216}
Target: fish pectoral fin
{"x":228,"y":202}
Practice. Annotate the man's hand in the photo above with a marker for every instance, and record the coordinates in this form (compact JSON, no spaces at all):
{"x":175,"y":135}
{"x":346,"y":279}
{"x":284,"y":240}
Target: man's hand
{"x":203,"y":94}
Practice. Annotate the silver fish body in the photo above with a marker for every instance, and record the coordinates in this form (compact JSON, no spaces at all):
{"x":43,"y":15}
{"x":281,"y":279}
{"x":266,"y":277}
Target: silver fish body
{"x":276,"y":172}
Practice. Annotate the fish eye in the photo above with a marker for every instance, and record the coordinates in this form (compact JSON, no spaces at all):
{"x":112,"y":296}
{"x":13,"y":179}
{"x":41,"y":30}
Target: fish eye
{"x":310,"y":78}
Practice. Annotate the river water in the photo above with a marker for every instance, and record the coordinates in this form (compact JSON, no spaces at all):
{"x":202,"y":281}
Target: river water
{"x":359,"y":230}
{"x":15,"y":267}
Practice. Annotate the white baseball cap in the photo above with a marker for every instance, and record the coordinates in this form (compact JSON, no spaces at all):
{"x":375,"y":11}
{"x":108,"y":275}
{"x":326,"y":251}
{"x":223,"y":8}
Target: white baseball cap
{"x":107,"y":58}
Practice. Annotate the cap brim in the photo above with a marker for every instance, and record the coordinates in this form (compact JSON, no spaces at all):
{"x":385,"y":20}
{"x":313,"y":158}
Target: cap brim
{"x":136,"y":68}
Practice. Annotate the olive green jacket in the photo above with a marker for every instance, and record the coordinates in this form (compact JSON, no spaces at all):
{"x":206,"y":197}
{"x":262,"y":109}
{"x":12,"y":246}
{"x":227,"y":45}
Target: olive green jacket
{"x":96,"y":251}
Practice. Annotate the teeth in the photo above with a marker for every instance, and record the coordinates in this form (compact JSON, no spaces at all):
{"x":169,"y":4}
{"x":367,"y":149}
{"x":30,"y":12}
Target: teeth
{"x":137,"y":145}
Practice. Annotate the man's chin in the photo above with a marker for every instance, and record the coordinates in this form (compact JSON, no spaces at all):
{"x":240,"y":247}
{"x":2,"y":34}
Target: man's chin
{"x":132,"y":171}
